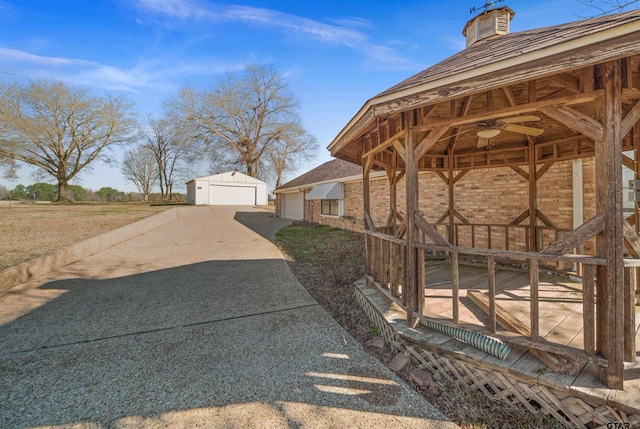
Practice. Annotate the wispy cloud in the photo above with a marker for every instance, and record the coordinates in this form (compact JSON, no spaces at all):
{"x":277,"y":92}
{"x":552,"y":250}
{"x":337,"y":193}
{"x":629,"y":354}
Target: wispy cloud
{"x":15,"y":55}
{"x":158,"y":75}
{"x":341,"y":33}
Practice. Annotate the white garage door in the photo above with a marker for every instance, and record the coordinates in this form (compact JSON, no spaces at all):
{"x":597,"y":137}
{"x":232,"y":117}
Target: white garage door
{"x":293,"y":205}
{"x":221,"y":195}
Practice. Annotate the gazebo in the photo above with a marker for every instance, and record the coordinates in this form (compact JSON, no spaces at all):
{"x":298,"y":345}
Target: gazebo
{"x":522,"y":101}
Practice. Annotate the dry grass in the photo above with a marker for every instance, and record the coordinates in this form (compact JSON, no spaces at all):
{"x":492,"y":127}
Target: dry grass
{"x":32,"y":230}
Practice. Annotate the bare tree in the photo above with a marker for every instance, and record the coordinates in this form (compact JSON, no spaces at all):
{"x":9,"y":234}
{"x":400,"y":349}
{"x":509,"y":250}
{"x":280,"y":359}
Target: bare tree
{"x":289,"y":151}
{"x":60,"y":129}
{"x":173,"y":152}
{"x":139,"y":167}
{"x":244,"y":116}
{"x":607,"y":7}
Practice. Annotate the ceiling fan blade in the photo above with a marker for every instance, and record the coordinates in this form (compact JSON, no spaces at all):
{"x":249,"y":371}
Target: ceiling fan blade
{"x":523,"y":130}
{"x":517,"y":119}
{"x":482,"y":142}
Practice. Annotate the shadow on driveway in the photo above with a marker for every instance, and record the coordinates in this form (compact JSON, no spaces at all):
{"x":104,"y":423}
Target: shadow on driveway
{"x":202,"y":344}
{"x":262,"y":223}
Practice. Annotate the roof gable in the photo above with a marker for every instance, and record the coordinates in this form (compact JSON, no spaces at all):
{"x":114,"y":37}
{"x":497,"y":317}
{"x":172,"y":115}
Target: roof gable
{"x":229,"y":176}
{"x":512,"y":45}
{"x":331,"y":170}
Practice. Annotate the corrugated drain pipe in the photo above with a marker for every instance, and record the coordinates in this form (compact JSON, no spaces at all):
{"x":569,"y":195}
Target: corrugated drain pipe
{"x":487,"y":344}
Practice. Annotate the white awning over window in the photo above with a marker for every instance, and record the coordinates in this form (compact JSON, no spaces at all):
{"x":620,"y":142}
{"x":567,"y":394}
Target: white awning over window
{"x":327,"y":191}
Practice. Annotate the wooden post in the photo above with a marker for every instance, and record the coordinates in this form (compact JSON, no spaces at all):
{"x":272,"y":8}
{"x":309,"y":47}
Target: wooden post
{"x":533,"y":189}
{"x":587,"y":309}
{"x":491,"y":276}
{"x":452,"y":210}
{"x":629,"y":314}
{"x":609,"y":243}
{"x":455,"y":286}
{"x":411,"y":164}
{"x":533,"y":199}
{"x":534,"y":278}
{"x":366,"y":193}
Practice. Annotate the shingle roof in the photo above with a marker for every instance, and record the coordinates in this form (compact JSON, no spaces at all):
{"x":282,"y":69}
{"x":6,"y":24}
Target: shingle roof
{"x":500,"y":48}
{"x":331,"y":170}
{"x":489,"y":62}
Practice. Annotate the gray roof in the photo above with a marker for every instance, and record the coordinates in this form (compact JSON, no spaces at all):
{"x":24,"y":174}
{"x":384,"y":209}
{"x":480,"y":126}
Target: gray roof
{"x":491,"y":62}
{"x":500,"y":48}
{"x":331,"y":170}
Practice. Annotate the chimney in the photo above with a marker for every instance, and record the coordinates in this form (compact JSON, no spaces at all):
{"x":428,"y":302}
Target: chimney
{"x":489,"y":23}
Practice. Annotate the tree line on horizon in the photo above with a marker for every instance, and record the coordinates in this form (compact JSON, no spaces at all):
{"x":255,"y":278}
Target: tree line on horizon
{"x":246,"y":120}
{"x":47,"y":192}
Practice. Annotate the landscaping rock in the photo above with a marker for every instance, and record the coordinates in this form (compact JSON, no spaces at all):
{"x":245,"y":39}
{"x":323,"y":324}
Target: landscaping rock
{"x":400,"y":361}
{"x":378,"y":343}
{"x":421,"y":377}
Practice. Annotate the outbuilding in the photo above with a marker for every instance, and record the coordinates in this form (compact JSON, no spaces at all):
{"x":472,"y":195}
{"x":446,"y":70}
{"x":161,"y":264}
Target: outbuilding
{"x":230,"y":188}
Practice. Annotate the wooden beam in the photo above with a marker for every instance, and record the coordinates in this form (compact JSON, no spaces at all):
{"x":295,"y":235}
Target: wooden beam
{"x":509,"y":95}
{"x":578,"y":236}
{"x":628,"y":162}
{"x":543,"y":217}
{"x":402,"y":229}
{"x":545,"y":167}
{"x":632,"y":118}
{"x":442,"y":176}
{"x":460,"y":175}
{"x":568,"y":82}
{"x":518,"y":220}
{"x":631,"y":240}
{"x":574,"y":120}
{"x":400,"y":149}
{"x":430,"y":231}
{"x":384,"y":145}
{"x":443,"y":217}
{"x":520,"y":171}
{"x":367,"y":165}
{"x":428,"y":142}
{"x":462,"y":218}
{"x":520,"y":109}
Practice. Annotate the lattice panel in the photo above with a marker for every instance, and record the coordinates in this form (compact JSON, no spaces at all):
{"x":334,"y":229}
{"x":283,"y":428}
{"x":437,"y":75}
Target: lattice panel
{"x":568,"y":410}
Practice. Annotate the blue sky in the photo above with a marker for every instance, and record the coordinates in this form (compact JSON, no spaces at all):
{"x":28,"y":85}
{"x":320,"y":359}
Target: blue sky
{"x":334,"y":54}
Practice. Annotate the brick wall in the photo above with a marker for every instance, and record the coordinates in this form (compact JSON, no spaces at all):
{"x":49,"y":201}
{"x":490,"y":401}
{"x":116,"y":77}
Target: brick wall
{"x":483,"y":196}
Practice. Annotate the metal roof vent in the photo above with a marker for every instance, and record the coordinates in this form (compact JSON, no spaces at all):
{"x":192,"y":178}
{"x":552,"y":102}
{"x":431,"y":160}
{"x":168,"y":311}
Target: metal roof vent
{"x":489,"y":23}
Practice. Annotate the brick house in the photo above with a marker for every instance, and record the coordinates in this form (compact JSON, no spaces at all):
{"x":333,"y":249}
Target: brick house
{"x":566,"y":195}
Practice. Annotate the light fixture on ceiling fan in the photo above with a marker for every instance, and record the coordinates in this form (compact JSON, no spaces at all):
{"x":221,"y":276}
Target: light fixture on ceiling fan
{"x":492,"y":127}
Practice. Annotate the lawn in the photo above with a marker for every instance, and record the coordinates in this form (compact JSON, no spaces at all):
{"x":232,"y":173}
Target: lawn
{"x":32,"y":230}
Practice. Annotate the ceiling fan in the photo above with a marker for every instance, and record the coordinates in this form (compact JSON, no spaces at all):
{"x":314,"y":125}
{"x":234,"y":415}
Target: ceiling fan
{"x":492,"y":127}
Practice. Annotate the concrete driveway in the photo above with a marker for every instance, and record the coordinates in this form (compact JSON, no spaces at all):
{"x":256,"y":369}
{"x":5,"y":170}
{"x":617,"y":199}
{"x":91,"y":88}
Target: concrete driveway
{"x":198,"y":323}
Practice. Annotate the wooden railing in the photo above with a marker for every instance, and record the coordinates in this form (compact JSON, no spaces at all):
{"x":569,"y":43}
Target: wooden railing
{"x":531,"y":337}
{"x":386,"y":256}
{"x":508,"y":237}
{"x":499,"y":236}
{"x":385,"y":261}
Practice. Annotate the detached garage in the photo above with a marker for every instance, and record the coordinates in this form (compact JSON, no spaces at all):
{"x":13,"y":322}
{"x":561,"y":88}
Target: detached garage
{"x":231,"y":188}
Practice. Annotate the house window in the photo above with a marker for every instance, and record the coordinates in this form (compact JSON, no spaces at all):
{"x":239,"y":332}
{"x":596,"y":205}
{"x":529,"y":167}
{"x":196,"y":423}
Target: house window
{"x":329,"y":207}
